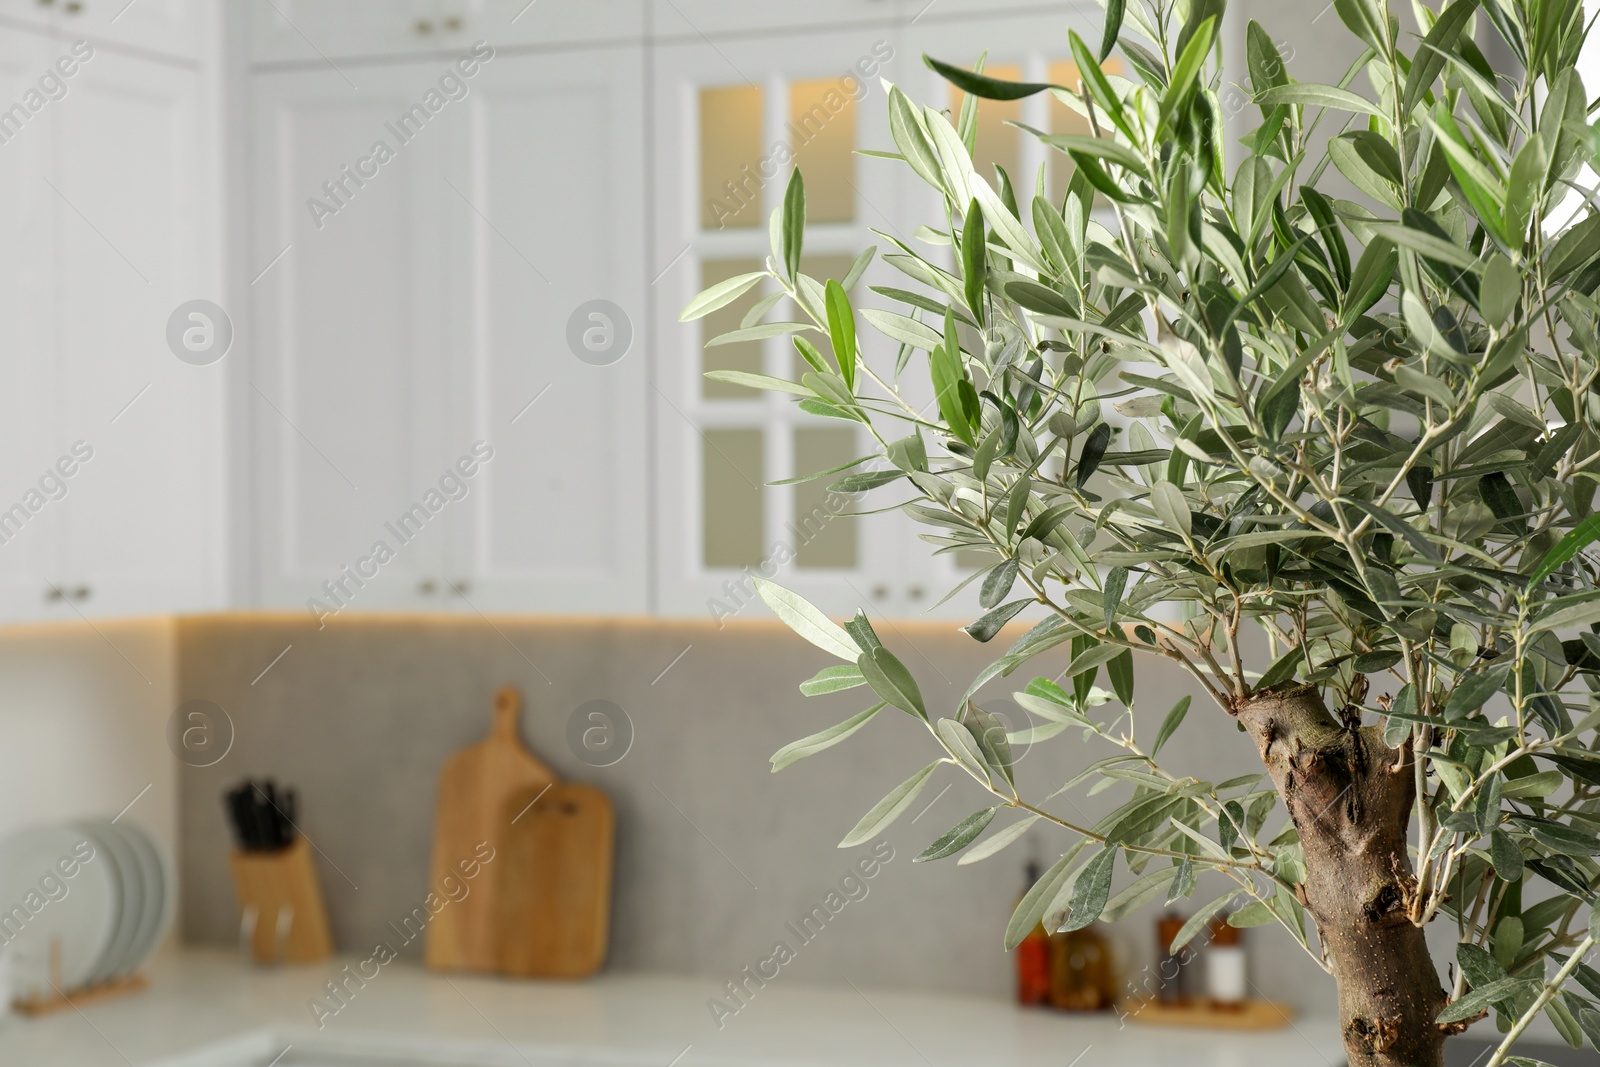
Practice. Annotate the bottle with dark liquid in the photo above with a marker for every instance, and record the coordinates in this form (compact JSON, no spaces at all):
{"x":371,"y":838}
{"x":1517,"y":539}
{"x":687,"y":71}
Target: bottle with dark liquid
{"x":1080,"y":971}
{"x":1033,"y":957}
{"x":1175,"y":977}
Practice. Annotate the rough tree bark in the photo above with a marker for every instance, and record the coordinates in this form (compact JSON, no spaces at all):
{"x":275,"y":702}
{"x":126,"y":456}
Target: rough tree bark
{"x":1350,"y":797}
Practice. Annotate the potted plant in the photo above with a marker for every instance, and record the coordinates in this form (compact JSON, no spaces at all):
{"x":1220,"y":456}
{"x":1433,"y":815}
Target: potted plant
{"x":1336,"y":460}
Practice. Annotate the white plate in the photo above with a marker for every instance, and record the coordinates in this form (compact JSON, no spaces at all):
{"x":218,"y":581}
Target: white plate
{"x":138,"y":897}
{"x":157,"y":898}
{"x":81,"y":919}
{"x":128,"y":894}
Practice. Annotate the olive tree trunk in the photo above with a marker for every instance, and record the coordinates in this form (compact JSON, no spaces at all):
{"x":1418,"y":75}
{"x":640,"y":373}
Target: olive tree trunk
{"x":1350,"y":797}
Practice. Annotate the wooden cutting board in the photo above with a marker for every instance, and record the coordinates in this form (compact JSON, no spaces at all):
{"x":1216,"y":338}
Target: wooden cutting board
{"x":472,"y":801}
{"x":555,"y":882}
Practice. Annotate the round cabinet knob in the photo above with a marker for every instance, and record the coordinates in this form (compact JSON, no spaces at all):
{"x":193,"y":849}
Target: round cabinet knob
{"x":453,"y":23}
{"x":73,"y":7}
{"x":81,"y":593}
{"x":915,"y":592}
{"x":427,"y":587}
{"x":54,"y":593}
{"x":880,"y":592}
{"x":46,"y":3}
{"x":423,"y":26}
{"x":461,"y":588}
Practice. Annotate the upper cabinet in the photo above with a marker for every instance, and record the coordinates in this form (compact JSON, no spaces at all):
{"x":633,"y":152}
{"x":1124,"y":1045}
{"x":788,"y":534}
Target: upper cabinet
{"x":113,"y":443}
{"x":29,"y":537}
{"x":348,"y":358}
{"x":730,"y":119}
{"x":143,"y":521}
{"x":548,"y":332}
{"x":316,"y":31}
{"x":449,"y":374}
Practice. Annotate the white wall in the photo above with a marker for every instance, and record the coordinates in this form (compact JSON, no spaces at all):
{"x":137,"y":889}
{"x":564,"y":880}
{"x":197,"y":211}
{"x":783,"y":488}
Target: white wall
{"x":83,"y":715}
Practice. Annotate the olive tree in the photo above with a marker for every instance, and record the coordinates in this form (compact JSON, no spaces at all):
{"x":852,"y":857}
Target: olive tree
{"x":1334,"y":457}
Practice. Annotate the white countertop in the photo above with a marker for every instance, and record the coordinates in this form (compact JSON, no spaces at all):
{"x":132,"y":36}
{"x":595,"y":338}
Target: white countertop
{"x":201,"y":1000}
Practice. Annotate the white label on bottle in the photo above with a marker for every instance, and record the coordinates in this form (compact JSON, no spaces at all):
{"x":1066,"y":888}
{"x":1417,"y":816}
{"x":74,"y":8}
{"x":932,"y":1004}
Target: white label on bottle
{"x":1225,"y":974}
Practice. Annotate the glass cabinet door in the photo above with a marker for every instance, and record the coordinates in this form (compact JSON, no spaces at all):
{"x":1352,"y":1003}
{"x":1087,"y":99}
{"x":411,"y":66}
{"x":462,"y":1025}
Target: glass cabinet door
{"x":733,"y":117}
{"x":1031,"y":48}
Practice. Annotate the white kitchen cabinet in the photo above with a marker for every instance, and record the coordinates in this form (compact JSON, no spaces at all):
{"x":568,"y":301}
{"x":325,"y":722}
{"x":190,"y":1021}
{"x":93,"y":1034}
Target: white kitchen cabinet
{"x":172,"y":28}
{"x":318,"y":32}
{"x":348,"y":359}
{"x":722,"y":143}
{"x":142,"y":520}
{"x":110,"y":502}
{"x":721,"y":104}
{"x":546,"y":220}
{"x":29,"y":536}
{"x":420,"y":320}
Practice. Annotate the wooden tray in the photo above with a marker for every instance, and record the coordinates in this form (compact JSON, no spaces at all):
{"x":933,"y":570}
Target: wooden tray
{"x":1253,"y":1015}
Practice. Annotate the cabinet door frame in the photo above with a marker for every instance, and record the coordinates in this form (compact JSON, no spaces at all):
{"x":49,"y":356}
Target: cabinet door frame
{"x":31,"y":553}
{"x":687,"y":586}
{"x":555,"y":383}
{"x":282,"y":237}
{"x":121,"y":388}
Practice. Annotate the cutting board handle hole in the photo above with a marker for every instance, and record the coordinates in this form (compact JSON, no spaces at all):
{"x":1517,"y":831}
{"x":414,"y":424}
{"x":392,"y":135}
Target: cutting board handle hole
{"x":507,"y":712}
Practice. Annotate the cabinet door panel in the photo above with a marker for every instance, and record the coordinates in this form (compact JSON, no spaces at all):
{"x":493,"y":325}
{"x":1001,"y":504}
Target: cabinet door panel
{"x":142,"y":518}
{"x":349,"y":358}
{"x":728,"y":118}
{"x":29,"y":539}
{"x":547,"y":233}
{"x":1028,"y":47}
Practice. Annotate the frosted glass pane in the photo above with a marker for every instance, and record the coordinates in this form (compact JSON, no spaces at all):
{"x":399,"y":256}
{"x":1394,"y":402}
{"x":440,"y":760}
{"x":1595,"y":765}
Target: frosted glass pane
{"x":733,"y":507}
{"x":823,"y":537}
{"x":746,"y":355}
{"x":822,"y":268}
{"x":730,"y":156}
{"x":997,"y":142}
{"x":822,"y":132}
{"x":1065,"y":120}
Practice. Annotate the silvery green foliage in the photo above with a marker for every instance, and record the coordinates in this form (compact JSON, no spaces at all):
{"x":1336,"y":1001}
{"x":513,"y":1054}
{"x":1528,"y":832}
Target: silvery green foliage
{"x":1366,"y":431}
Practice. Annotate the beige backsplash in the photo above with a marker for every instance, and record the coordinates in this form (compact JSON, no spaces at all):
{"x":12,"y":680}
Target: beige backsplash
{"x":716,"y":855}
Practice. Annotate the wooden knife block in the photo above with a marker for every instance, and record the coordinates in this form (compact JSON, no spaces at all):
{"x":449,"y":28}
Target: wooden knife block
{"x":283,"y":884}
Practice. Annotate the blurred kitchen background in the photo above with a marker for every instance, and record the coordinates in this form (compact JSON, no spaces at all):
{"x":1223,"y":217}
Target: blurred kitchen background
{"x":282,"y":281}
